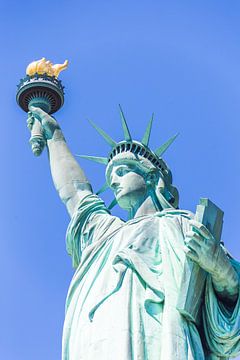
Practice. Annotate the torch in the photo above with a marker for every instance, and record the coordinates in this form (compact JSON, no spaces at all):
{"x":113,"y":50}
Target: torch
{"x":41,"y":88}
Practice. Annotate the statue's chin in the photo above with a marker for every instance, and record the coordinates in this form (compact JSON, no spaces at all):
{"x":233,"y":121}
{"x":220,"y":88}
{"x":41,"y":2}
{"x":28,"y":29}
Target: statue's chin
{"x":130,"y":200}
{"x":123,"y":201}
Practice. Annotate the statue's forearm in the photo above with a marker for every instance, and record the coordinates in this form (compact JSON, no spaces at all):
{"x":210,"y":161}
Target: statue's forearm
{"x":225,"y":279}
{"x":69,"y":179}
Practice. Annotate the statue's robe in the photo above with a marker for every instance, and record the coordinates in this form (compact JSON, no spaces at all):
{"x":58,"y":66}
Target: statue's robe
{"x":122,"y":303}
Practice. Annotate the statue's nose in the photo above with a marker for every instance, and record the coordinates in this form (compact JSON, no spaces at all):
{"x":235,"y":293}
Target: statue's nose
{"x":114,"y":182}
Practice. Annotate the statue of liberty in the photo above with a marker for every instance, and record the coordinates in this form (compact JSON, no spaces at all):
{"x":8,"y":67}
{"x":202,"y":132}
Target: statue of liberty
{"x":127,"y":299}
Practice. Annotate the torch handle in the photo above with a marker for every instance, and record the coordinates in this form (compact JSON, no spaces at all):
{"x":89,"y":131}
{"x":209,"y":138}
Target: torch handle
{"x":37,"y":140}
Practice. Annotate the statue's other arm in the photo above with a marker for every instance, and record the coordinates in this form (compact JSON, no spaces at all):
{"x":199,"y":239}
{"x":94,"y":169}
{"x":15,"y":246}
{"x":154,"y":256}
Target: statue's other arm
{"x":225,"y":279}
{"x":69,"y":179}
{"x":202,"y":248}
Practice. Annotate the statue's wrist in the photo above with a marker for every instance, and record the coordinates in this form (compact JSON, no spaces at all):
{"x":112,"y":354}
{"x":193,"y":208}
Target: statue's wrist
{"x":221,"y":264}
{"x":225,"y":277}
{"x":57,"y":135}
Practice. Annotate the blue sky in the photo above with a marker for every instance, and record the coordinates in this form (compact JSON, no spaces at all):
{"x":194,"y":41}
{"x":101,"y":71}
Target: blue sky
{"x":178,"y":59}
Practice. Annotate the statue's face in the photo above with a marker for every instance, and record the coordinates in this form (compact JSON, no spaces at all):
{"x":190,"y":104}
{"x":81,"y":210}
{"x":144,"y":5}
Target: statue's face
{"x":129,"y":186}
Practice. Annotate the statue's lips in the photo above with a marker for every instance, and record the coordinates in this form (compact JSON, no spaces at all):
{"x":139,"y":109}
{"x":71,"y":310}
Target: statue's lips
{"x":118,"y":191}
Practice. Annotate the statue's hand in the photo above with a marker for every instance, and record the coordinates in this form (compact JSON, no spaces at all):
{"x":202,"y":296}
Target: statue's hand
{"x":49,"y":124}
{"x":201,"y":247}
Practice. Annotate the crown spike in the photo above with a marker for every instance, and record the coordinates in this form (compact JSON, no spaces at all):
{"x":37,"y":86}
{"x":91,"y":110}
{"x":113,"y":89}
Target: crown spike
{"x":127,"y":135}
{"x":106,"y":137}
{"x":103,"y":188}
{"x":97,"y":159}
{"x":146,"y":137}
{"x":113,"y":203}
{"x":161,"y":150}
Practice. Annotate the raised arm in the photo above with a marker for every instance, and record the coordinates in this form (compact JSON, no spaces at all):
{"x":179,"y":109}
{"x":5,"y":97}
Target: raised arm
{"x":69,"y":179}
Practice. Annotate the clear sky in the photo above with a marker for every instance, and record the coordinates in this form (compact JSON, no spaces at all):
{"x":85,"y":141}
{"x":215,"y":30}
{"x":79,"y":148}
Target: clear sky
{"x":178,"y":59}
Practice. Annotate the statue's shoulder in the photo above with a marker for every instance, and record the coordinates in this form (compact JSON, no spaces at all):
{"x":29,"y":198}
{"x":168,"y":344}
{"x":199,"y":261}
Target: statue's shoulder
{"x":171,"y":212}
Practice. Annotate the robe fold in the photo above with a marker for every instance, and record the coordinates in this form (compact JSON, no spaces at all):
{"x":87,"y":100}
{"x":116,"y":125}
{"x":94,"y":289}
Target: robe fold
{"x":122,"y":301}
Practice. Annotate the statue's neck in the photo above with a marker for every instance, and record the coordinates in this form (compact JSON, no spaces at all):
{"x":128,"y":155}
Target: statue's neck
{"x":148,"y":207}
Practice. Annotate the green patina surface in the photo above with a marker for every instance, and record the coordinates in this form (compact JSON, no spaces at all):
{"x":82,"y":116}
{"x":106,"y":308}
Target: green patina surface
{"x":157,"y":287}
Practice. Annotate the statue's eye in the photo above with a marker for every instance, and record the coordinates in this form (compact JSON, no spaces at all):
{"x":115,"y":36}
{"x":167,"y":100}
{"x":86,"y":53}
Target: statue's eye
{"x":122,"y":171}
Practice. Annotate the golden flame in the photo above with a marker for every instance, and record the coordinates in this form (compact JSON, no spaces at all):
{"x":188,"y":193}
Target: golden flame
{"x":44,"y":66}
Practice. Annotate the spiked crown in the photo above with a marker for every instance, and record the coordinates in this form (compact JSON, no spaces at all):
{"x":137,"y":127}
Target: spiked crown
{"x":139,"y":149}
